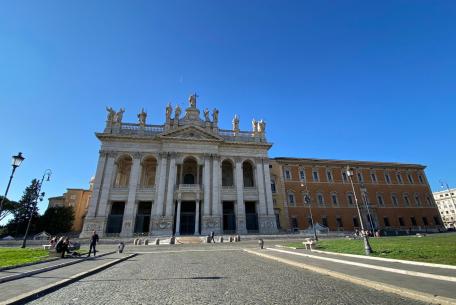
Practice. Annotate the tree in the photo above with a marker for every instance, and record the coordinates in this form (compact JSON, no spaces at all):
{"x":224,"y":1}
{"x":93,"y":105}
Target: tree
{"x":8,"y":207}
{"x":57,"y":220}
{"x":27,"y":207}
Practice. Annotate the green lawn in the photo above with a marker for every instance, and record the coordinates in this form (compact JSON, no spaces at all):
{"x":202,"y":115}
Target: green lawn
{"x":17,"y":256}
{"x":439,"y":248}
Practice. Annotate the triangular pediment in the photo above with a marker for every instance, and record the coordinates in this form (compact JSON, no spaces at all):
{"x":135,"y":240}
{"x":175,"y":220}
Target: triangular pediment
{"x":193,"y":133}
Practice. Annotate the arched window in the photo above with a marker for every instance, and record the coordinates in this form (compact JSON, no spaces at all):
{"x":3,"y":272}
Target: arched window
{"x":227,"y":173}
{"x":189,"y":171}
{"x":149,"y":168}
{"x":247,"y":171}
{"x":123,"y":171}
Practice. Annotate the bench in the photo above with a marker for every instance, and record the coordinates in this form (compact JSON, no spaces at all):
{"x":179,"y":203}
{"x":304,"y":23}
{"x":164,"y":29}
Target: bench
{"x":309,"y":243}
{"x":47,"y":247}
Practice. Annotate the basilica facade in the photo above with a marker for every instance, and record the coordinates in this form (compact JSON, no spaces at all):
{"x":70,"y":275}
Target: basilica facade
{"x":184,"y":177}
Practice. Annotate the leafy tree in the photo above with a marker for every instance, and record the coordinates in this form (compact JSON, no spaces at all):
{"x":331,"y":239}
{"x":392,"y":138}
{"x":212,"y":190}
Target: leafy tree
{"x":27,"y":206}
{"x":57,"y":220}
{"x":8,"y":207}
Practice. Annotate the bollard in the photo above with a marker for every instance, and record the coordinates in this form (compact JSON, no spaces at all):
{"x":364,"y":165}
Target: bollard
{"x":261,"y":243}
{"x":135,"y":242}
{"x":157,"y":241}
{"x":146,"y":242}
{"x":221,"y":239}
{"x":172,"y":240}
{"x":238,"y":237}
{"x":231,"y":239}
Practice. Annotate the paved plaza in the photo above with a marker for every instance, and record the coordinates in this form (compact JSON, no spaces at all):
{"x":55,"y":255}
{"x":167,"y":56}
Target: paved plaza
{"x":222,"y":274}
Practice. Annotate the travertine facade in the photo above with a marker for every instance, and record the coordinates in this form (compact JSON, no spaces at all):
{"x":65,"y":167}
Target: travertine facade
{"x":391,"y":196}
{"x":446,"y":202}
{"x":184,"y":177}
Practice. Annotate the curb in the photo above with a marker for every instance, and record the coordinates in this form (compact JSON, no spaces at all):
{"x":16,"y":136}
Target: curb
{"x":375,"y":267}
{"x":40,"y":270}
{"x":411,"y":294}
{"x":392,"y":260}
{"x":37,"y":293}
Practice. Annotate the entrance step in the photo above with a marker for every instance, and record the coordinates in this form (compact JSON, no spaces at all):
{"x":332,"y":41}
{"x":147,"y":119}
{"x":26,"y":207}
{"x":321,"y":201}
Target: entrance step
{"x":189,"y":240}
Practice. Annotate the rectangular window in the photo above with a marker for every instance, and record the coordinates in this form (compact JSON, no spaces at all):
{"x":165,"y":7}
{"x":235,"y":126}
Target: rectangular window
{"x":380,"y":200}
{"x":355,"y":222}
{"x":344,"y":176}
{"x":374,"y":178}
{"x":294,"y":222}
{"x":324,"y":221}
{"x":437,"y":220}
{"x":413,"y":221}
{"x":339,"y":223}
{"x":291,"y":199}
{"x":417,"y":201}
{"x":406,"y":201}
{"x":429,"y":201}
{"x":425,"y":221}
{"x":315,"y":175}
{"x":387,"y":178}
{"x":302,"y":175}
{"x":401,"y":221}
{"x":410,"y":178}
{"x":273,"y":186}
{"x":329,"y":176}
{"x":360,"y":177}
{"x":321,"y":200}
{"x":399,"y":178}
{"x":334,"y":199}
{"x":287,"y":174}
{"x":386,"y":221}
{"x":350,"y":199}
{"x":420,"y":178}
{"x":274,"y":202}
{"x":394,"y":200}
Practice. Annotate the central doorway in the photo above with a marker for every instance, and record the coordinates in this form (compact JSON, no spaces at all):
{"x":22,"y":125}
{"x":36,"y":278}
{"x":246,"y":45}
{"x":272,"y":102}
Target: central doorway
{"x":187,"y":217}
{"x":229,"y":218}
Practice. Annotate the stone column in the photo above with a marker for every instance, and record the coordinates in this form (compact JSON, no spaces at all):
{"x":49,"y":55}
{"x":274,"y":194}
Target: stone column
{"x":267,"y":222}
{"x":260,"y":188}
{"x":197,"y":217}
{"x":216,"y":214}
{"x":171,"y":187}
{"x":128,"y":219}
{"x":240,"y":206}
{"x":205,"y":229}
{"x":178,"y":214}
{"x":107,"y":184}
{"x":91,"y":222}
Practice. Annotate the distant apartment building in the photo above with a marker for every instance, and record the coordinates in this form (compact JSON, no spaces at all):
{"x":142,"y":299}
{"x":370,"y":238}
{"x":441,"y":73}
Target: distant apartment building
{"x":391,"y":196}
{"x":78,"y":199}
{"x":446,"y":202}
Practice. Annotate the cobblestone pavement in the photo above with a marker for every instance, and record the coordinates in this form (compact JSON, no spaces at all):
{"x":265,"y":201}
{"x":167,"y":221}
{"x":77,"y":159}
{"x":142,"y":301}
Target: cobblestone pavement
{"x":212,"y":277}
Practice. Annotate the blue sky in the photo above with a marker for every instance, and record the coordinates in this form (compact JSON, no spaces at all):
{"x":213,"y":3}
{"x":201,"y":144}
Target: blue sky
{"x":358,"y":80}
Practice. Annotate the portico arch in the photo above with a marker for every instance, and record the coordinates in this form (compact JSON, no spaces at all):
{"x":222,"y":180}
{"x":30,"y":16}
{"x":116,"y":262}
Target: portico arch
{"x":248,"y":174}
{"x":227,"y":173}
{"x":149,"y":168}
{"x":123,"y":169}
{"x":189,"y":171}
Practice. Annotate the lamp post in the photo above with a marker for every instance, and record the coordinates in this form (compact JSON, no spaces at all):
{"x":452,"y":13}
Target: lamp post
{"x":47,"y":173}
{"x":363,"y":190}
{"x":367,"y":247}
{"x":309,"y":203}
{"x":15,"y":162}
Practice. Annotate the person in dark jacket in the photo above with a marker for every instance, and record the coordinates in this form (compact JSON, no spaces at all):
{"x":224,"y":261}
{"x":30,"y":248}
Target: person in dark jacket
{"x":93,"y":243}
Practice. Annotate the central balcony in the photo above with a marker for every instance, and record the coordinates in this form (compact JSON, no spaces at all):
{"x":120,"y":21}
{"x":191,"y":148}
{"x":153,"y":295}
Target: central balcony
{"x":189,"y":188}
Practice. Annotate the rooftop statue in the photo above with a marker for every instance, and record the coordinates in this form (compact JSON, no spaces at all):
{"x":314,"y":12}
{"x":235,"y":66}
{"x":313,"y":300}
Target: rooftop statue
{"x":236,"y":123}
{"x":177,"y":113}
{"x":206,"y":115}
{"x":254,"y":126}
{"x":169,"y":109}
{"x":215,"y":113}
{"x":142,"y":117}
{"x":111,"y":115}
{"x":261,"y":126}
{"x":192,"y":100}
{"x":119,"y":116}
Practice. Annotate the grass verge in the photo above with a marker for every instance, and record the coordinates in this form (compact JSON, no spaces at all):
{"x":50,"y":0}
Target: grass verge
{"x":17,"y":256}
{"x":440,"y":249}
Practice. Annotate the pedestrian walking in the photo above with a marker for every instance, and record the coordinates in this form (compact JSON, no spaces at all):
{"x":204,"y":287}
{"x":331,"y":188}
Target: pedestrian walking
{"x":212,"y":237}
{"x":93,"y":243}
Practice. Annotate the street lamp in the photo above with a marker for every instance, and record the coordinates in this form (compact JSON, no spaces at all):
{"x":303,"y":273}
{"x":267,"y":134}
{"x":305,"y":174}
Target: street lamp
{"x":367,"y":247}
{"x":15,"y":162}
{"x":309,"y":203}
{"x":47,"y":173}
{"x":363,"y":190}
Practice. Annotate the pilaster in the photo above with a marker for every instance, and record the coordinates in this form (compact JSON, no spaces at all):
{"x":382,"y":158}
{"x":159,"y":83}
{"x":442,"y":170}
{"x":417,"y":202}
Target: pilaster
{"x":240,"y":206}
{"x":128,"y":219}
